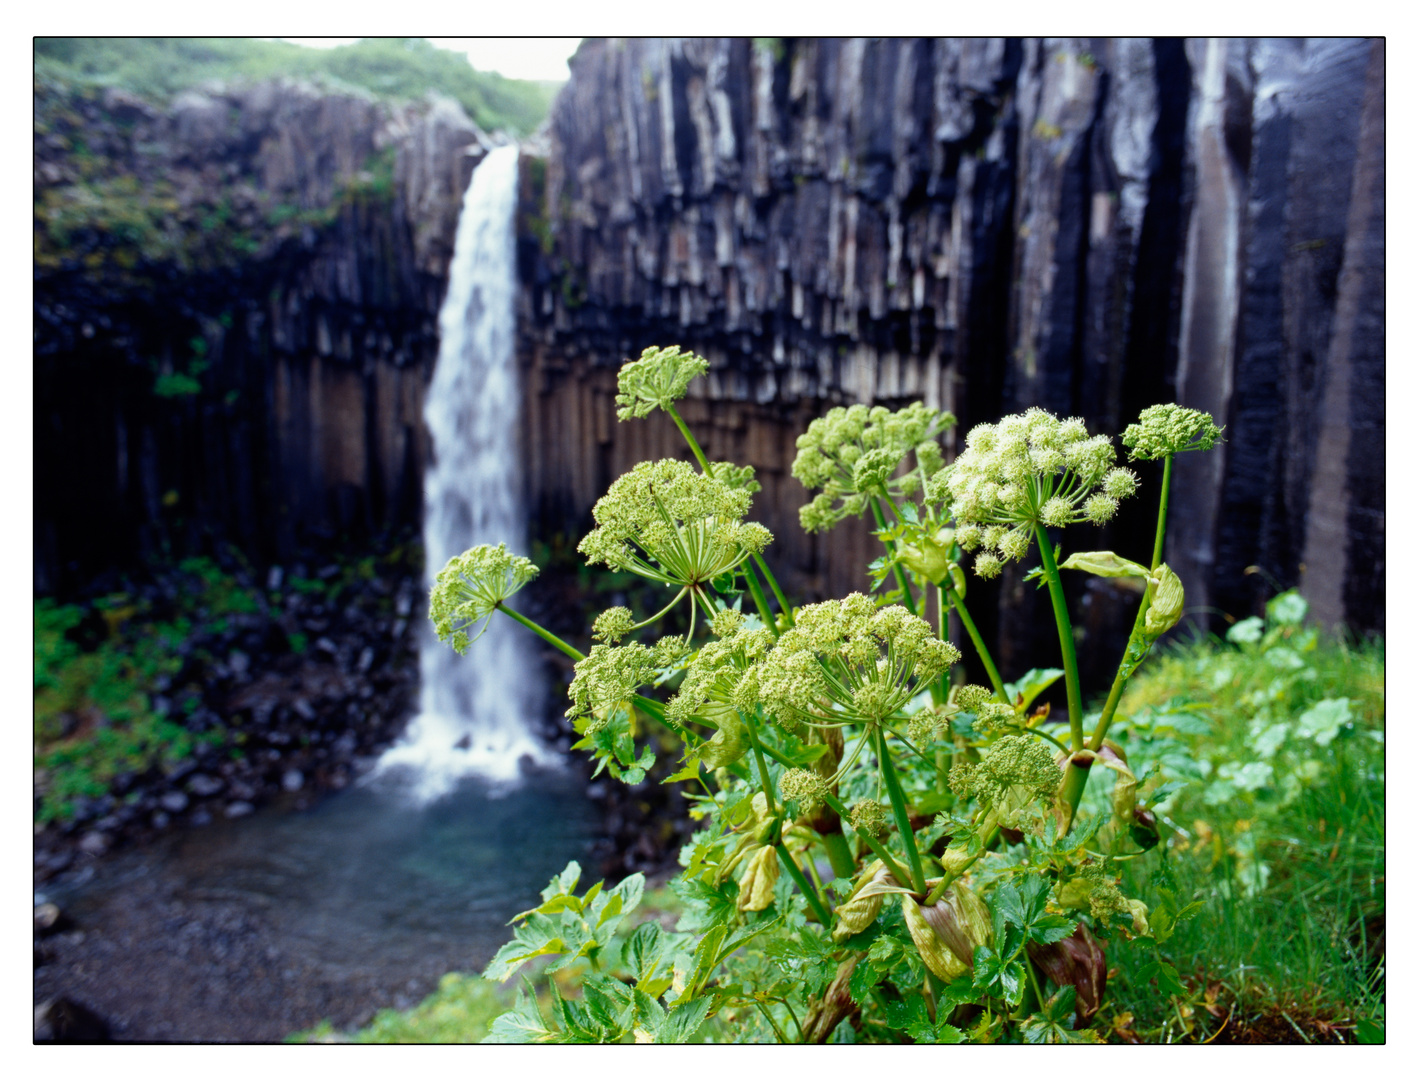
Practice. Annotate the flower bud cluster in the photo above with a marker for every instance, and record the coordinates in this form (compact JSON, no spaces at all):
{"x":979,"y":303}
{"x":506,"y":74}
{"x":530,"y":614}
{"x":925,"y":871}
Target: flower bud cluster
{"x":1028,"y":469}
{"x":613,"y":624}
{"x":471,"y":586}
{"x":1170,"y":429}
{"x":804,"y":787}
{"x":656,"y":380}
{"x":851,"y":454}
{"x":869,"y":817}
{"x":1017,"y":771}
{"x":714,"y":683}
{"x":930,"y":723}
{"x":845,"y":661}
{"x":611,"y":674}
{"x":667,"y":513}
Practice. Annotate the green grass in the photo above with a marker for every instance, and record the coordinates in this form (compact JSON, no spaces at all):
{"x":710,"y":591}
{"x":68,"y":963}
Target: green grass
{"x":1279,"y":832}
{"x":93,"y":716}
{"x":461,"y":1010}
{"x":397,"y":68}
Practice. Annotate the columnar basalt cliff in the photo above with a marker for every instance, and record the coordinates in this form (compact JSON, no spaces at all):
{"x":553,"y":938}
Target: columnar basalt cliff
{"x":245,"y":286}
{"x":235,"y":319}
{"x":1090,"y":226}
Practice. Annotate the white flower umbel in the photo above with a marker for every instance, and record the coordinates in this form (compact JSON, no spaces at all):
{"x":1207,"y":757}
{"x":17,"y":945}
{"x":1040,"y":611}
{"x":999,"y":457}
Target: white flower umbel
{"x":1027,"y":471}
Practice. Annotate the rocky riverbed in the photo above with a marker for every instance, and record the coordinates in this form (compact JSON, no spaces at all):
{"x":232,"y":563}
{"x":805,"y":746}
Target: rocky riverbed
{"x":303,"y":693}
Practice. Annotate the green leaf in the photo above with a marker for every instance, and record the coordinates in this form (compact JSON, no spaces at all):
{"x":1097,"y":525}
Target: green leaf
{"x":862,"y":979}
{"x":1166,"y":976}
{"x":644,"y":952}
{"x":705,"y":961}
{"x":521,"y":1024}
{"x":683,"y":1020}
{"x":564,"y":882}
{"x":905,"y":1013}
{"x":1370,"y":1032}
{"x":1324,"y":721}
{"x":648,"y":1013}
{"x":1104,"y":564}
{"x":1246,"y":631}
{"x":1032,"y":683}
{"x":690,"y":771}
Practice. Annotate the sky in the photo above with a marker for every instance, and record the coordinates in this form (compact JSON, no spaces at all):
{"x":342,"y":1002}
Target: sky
{"x":516,"y":58}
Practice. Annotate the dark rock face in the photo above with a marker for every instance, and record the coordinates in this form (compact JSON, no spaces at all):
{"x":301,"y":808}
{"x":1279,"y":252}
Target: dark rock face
{"x":1089,"y":226}
{"x":236,"y":303}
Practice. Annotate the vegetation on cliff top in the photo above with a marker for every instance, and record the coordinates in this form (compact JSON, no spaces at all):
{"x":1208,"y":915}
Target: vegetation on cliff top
{"x":400,"y":68}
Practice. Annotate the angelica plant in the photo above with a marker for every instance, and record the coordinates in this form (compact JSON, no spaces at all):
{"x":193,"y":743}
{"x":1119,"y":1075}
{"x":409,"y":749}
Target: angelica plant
{"x":884,"y":852}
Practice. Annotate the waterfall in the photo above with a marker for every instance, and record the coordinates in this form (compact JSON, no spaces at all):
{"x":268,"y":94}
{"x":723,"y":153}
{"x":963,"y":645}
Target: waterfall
{"x":473,"y":708}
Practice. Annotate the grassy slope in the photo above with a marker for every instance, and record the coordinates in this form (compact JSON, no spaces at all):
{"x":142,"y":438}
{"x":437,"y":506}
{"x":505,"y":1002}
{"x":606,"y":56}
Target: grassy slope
{"x":158,"y":68}
{"x":1280,"y":833}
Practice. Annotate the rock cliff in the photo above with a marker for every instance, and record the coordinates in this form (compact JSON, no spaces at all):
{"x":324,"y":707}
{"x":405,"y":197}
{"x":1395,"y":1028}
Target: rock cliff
{"x":1090,"y":226}
{"x":245,"y":286}
{"x":235,"y":318}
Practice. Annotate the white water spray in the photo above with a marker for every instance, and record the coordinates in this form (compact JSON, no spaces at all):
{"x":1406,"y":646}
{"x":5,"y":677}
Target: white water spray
{"x":472,"y":708}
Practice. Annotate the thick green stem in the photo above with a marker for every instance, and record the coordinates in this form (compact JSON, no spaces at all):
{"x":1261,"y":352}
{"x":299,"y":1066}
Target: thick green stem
{"x":755,"y":588}
{"x":1161,"y":514}
{"x":795,"y":872}
{"x":839,"y":854}
{"x":906,"y":594}
{"x":899,"y":808}
{"x":1136,"y":644}
{"x":957,"y":602}
{"x":1074,"y":782}
{"x":1065,"y":634}
{"x":688,"y":437}
{"x":546,"y":635}
{"x":782,"y":603}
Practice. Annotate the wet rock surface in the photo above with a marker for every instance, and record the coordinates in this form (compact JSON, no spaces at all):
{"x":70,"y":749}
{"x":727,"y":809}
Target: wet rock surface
{"x":314,"y":684}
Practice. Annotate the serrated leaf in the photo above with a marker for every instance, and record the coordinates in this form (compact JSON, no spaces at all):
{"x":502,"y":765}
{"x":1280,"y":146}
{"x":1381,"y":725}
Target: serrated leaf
{"x":861,"y":980}
{"x":564,"y":882}
{"x":902,"y":1013}
{"x":690,"y":771}
{"x":705,"y":960}
{"x":1051,"y":928}
{"x":522,"y":1023}
{"x":683,"y":1020}
{"x":645,"y":950}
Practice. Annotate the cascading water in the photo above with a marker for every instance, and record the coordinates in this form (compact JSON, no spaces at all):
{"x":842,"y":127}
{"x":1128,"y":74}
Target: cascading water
{"x":472,"y":708}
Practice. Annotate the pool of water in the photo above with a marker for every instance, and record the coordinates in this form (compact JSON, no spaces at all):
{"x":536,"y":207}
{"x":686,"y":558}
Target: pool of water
{"x":250,"y":929}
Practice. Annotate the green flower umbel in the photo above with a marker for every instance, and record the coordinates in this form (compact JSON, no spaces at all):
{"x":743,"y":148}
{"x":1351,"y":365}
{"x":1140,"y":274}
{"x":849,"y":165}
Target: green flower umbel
{"x":1169,"y":429}
{"x":1025,"y":471}
{"x":668,"y":522}
{"x":656,"y":380}
{"x":470,"y":587}
{"x":853,"y":453}
{"x":844,"y":661}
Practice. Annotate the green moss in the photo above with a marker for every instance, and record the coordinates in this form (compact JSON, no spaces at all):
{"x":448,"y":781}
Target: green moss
{"x":93,"y":714}
{"x":392,"y":68}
